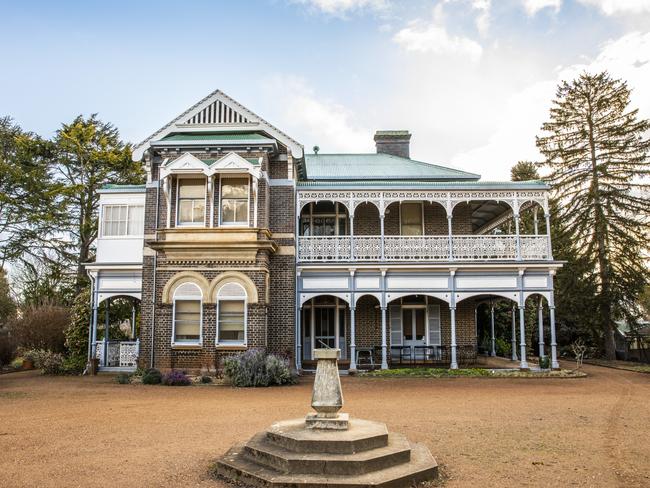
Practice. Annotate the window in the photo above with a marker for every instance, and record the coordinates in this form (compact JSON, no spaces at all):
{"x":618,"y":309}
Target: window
{"x":234,"y":201}
{"x":411,"y":218}
{"x":191,"y":201}
{"x":187,"y":314}
{"x":324,"y":219}
{"x":231,"y":314}
{"x":122,"y":220}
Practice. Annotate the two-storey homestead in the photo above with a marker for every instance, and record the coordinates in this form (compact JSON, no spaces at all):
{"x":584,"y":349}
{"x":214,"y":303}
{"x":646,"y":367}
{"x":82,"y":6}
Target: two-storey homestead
{"x":239,"y":240}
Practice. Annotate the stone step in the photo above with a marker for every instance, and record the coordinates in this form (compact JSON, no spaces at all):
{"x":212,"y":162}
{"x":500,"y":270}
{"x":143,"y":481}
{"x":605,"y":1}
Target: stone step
{"x":362,"y":435}
{"x":263,"y":451}
{"x":236,"y":468}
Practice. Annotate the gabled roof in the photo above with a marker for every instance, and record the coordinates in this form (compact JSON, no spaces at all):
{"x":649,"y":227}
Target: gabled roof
{"x":218,"y":112}
{"x":378,"y":167}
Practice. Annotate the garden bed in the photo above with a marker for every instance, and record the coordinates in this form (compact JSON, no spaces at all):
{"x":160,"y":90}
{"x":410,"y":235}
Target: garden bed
{"x":472,"y":373}
{"x":624,"y":365}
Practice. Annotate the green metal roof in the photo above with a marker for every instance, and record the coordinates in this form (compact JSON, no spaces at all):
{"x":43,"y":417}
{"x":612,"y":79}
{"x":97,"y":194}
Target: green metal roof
{"x":253,"y":161}
{"x":113,"y":188}
{"x":378,"y":166}
{"x":214,"y":138}
{"x":422,"y":185}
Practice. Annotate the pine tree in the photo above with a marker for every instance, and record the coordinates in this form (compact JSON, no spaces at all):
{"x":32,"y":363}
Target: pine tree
{"x":524,"y":171}
{"x":597,"y":152}
{"x":89,"y":155}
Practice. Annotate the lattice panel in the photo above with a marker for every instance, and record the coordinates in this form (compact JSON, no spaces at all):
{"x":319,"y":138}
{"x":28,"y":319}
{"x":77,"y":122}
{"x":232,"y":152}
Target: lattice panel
{"x":484,"y":247}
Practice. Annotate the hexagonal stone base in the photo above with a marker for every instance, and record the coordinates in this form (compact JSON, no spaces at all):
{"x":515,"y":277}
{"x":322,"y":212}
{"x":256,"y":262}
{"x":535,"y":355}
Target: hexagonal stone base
{"x":290,"y":455}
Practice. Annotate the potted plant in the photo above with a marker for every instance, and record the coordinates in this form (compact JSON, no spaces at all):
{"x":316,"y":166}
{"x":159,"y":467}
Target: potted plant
{"x":28,"y":359}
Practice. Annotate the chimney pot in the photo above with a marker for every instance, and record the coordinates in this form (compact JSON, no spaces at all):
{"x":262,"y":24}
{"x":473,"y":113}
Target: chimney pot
{"x":394,"y":142}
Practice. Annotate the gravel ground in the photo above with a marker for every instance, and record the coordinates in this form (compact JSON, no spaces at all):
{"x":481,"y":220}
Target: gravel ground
{"x":68,"y":432}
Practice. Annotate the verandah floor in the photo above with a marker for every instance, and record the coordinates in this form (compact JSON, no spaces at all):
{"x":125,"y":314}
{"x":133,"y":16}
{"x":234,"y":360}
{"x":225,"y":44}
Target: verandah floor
{"x":69,"y":431}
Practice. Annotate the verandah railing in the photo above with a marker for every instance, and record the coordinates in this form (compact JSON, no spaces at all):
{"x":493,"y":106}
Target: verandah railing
{"x":422,"y":248}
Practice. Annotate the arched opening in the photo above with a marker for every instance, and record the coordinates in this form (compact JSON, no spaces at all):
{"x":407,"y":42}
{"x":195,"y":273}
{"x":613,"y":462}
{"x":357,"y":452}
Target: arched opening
{"x":324,"y":219}
{"x":116,"y":330}
{"x":324,"y":323}
{"x":415,"y":332}
{"x":497,"y":329}
{"x":482,"y":218}
{"x":232,"y":314}
{"x":536,"y":313}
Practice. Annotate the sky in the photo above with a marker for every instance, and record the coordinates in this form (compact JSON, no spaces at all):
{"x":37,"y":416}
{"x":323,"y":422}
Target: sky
{"x":472,"y":80}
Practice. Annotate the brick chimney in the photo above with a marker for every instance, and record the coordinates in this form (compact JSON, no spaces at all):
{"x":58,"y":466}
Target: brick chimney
{"x":395,"y":142}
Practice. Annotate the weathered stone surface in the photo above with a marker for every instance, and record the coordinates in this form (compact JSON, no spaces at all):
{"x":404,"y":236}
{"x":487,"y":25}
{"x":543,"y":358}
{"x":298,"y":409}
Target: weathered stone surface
{"x":327,"y":395}
{"x":362,"y":435}
{"x":340,"y":422}
{"x":234,"y":466}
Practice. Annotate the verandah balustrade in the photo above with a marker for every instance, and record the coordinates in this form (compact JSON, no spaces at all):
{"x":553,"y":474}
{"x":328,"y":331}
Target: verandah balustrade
{"x":422,"y":248}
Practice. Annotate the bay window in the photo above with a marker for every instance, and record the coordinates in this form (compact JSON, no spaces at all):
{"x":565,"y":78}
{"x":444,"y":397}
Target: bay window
{"x":234,"y":201}
{"x":191,"y":202}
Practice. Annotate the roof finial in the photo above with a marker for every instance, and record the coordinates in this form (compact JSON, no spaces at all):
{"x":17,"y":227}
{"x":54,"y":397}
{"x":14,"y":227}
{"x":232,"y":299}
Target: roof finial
{"x":316,"y":149}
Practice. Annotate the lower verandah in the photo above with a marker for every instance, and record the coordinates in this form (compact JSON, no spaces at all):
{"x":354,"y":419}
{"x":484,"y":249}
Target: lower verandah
{"x":418,"y":331}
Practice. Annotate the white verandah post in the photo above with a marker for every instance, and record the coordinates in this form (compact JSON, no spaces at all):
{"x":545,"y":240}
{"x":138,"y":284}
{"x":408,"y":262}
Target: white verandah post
{"x":493,"y":351}
{"x":514,"y":333}
{"x":540,"y":325}
{"x":452,"y":313}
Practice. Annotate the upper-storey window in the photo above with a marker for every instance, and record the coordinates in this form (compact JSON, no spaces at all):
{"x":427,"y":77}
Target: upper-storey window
{"x":234,"y":201}
{"x":323,"y":219}
{"x":411,"y":218}
{"x":122,"y":220}
{"x":191,"y":201}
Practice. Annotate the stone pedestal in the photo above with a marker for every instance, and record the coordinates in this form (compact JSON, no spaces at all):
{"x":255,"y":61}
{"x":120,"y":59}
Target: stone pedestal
{"x":327,"y":396}
{"x":327,"y":449}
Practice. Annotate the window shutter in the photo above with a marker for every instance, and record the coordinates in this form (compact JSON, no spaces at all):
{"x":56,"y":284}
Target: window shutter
{"x":395,"y":325}
{"x":433,"y":313}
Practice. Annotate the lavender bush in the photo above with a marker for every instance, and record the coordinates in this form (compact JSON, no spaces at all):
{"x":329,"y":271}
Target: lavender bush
{"x":257,"y":368}
{"x":176,"y":378}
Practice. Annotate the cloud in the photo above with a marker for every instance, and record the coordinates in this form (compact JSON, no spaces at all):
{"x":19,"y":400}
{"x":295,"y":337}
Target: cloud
{"x":342,"y":7}
{"x":616,"y":7}
{"x":513,"y":137}
{"x":316,"y":120}
{"x":432,"y":37}
{"x":534,"y":6}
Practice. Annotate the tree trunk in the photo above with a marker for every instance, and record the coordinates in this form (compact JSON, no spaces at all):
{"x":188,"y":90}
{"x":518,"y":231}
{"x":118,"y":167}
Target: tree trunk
{"x":600,"y":230}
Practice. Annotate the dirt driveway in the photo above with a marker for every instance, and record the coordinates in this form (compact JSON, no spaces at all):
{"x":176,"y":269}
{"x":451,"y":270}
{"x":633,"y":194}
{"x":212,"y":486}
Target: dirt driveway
{"x":483,"y":431}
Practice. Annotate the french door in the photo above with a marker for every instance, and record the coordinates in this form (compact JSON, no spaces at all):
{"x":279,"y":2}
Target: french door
{"x":324,"y":326}
{"x":413,"y":325}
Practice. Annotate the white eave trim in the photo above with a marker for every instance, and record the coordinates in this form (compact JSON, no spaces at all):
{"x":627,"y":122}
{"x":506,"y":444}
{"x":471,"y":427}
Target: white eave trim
{"x":294,"y":146}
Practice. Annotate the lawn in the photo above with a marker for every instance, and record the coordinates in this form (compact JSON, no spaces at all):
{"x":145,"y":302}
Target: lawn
{"x":67,"y":431}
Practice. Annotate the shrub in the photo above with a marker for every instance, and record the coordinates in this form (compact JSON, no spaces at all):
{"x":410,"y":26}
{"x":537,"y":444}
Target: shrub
{"x":74,"y":365}
{"x":48,"y":362}
{"x":545,"y":362}
{"x":176,"y":378}
{"x":151,"y":376}
{"x":123,"y":379}
{"x":41,"y":327}
{"x":502,"y":347}
{"x":17,"y":363}
{"x":257,"y":368}
{"x":76,"y":333}
{"x":205,"y":379}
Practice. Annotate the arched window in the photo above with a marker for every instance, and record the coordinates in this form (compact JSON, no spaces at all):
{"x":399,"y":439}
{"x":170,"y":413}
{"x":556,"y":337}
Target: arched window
{"x":231,"y":314}
{"x":188,"y":315}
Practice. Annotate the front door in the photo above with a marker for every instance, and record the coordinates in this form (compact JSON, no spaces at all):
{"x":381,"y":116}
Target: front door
{"x":413,"y":325}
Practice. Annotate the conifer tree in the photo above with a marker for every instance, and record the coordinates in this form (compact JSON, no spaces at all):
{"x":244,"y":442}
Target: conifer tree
{"x":596,"y":148}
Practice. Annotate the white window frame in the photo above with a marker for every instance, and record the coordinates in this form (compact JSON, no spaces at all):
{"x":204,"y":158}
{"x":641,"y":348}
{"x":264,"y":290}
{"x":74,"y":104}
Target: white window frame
{"x":205,"y":201}
{"x":243,"y":297}
{"x":223,"y":177}
{"x":339,"y":215}
{"x":421,"y":221}
{"x":191,"y":298}
{"x":128,"y":214}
